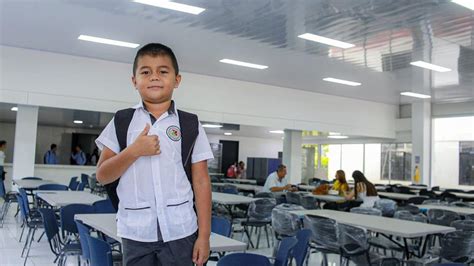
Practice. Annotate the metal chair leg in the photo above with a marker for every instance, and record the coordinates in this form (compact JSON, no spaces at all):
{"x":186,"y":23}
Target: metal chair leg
{"x":26,"y":241}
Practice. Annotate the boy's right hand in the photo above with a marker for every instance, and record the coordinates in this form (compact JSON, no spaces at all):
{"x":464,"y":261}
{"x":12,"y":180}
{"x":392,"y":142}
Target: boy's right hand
{"x":146,"y":145}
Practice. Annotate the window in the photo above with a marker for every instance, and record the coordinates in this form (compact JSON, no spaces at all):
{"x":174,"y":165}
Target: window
{"x":396,"y":161}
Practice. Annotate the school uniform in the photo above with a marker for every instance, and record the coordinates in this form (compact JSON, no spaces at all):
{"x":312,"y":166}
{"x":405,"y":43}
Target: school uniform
{"x":156,"y":218}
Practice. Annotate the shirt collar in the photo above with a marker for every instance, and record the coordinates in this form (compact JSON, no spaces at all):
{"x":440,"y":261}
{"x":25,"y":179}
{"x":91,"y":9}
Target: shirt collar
{"x":171,"y":109}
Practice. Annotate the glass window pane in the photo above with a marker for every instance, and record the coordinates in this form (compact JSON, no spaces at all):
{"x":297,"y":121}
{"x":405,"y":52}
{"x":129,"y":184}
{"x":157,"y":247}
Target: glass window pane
{"x":352,"y":158}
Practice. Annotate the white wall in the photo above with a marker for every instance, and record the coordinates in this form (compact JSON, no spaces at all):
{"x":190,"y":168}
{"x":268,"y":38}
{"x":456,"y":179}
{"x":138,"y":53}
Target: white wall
{"x":252,"y":147}
{"x":447,"y":133}
{"x":64,"y":81}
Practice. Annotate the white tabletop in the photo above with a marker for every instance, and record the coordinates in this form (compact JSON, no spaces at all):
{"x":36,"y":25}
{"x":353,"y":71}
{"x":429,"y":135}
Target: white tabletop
{"x":242,"y":181}
{"x":380,"y":224}
{"x":306,"y":187}
{"x":458,"y":194}
{"x":230,"y":199}
{"x":245,"y":187}
{"x":63,"y":198}
{"x":106,"y":224}
{"x":31,"y":184}
{"x":327,"y":198}
{"x":460,"y":210}
{"x":398,"y":196}
{"x":418,"y":187}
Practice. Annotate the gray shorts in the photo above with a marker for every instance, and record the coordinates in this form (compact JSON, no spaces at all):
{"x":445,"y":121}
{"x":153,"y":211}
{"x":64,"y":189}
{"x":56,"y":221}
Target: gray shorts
{"x":178,"y":252}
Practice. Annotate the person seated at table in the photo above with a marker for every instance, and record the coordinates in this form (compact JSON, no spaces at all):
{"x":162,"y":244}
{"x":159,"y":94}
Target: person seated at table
{"x":363,"y":190}
{"x":340,"y":185}
{"x":276,"y":181}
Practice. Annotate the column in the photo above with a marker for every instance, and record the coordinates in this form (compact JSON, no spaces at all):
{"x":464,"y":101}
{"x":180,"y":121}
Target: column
{"x":25,"y":141}
{"x":292,"y":151}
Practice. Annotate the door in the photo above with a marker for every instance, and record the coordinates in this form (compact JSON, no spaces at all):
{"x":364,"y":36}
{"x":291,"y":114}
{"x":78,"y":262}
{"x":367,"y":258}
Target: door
{"x":230,"y":154}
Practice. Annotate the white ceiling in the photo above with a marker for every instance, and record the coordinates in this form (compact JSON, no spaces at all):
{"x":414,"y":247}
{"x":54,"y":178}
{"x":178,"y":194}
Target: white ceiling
{"x":385,"y":32}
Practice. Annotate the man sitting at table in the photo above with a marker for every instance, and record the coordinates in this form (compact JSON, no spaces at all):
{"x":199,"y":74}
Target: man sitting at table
{"x":277,"y":182}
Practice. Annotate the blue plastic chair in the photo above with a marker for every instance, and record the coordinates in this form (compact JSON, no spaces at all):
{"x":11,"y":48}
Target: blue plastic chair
{"x":104,"y":206}
{"x":28,"y":222}
{"x":300,"y":251}
{"x":32,"y":178}
{"x":85,"y":180}
{"x":230,"y":190}
{"x":67,"y":216}
{"x":284,"y":253}
{"x":247,"y":259}
{"x":221,"y":226}
{"x":100,"y":252}
{"x":73,"y":183}
{"x":84,"y":231}
{"x":53,"y":187}
{"x":51,"y":229}
{"x":81,"y":187}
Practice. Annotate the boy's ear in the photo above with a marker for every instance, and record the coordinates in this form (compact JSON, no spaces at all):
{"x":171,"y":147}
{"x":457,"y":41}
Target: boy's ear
{"x":177,"y":81}
{"x":134,"y":81}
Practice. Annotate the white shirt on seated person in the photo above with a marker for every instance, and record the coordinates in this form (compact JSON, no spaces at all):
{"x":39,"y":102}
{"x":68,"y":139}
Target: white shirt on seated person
{"x":277,"y":180}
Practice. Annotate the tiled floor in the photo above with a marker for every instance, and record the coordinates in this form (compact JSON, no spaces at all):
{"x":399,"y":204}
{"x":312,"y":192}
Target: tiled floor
{"x":40,"y":254}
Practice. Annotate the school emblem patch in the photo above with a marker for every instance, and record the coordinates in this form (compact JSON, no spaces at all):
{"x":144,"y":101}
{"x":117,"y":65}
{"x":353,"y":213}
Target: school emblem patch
{"x":174,"y":133}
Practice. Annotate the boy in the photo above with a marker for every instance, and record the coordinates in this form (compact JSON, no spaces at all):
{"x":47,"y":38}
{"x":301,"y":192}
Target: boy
{"x":156,"y":218}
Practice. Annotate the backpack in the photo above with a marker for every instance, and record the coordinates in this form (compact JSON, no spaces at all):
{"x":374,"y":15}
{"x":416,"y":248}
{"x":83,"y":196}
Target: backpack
{"x":189,"y":125}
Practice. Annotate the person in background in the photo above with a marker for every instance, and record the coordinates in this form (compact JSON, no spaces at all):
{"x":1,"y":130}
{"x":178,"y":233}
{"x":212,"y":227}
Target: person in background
{"x":276,"y":181}
{"x":340,"y":184}
{"x":50,"y":156}
{"x":78,"y":157}
{"x":232,"y":170}
{"x":94,"y":156}
{"x":363,"y":190}
{"x":241,"y":173}
{"x":3,"y":148}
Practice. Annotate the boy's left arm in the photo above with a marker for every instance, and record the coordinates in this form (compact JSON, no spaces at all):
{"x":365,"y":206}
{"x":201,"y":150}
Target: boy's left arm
{"x":202,"y":194}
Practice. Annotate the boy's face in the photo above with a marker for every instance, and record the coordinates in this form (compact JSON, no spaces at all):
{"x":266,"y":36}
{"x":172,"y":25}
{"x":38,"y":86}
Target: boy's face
{"x":155,"y":78}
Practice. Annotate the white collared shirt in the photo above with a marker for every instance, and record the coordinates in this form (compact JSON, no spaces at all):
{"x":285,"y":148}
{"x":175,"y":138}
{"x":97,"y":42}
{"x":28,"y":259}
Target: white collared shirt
{"x":156,"y":188}
{"x":274,"y":181}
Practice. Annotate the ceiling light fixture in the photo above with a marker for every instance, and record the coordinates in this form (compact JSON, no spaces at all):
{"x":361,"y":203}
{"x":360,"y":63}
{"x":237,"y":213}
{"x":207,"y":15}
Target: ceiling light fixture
{"x":212,"y":126}
{"x":277,"y":131}
{"x":465,"y":3}
{"x":324,"y":40}
{"x":430,"y":66}
{"x":416,"y":95}
{"x":78,"y":121}
{"x":107,"y":41}
{"x":14,"y":109}
{"x":241,"y":63}
{"x":172,"y":5}
{"x":344,"y":82}
{"x":338,"y":137}
{"x":228,"y":133}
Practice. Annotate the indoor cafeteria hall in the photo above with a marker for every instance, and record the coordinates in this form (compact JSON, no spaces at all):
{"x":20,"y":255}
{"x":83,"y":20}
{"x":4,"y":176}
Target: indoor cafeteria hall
{"x":236,"y":132}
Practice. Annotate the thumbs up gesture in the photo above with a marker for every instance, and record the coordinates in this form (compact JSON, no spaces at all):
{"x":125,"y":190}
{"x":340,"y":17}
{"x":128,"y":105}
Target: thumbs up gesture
{"x":146,"y":145}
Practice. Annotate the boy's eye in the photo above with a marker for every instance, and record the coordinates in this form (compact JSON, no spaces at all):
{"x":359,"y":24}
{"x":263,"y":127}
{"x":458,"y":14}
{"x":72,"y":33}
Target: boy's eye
{"x":145,"y":72}
{"x":163,"y":72}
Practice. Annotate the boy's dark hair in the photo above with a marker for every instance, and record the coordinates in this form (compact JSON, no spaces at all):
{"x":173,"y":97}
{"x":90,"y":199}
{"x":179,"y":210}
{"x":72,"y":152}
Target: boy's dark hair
{"x":156,"y":49}
{"x":53,"y":146}
{"x":2,"y":142}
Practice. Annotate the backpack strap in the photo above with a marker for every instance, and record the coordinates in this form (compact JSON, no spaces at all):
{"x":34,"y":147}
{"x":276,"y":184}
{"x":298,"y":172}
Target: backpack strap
{"x":122,"y":119}
{"x":189,"y":125}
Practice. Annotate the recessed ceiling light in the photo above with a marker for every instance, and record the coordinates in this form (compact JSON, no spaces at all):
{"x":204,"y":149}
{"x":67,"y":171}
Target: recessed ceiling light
{"x":173,"y":6}
{"x":341,"y":81}
{"x":107,"y":41}
{"x":78,"y":121}
{"x":244,"y":64}
{"x":277,"y":131}
{"x":338,"y":137}
{"x":228,"y":133}
{"x":14,"y":109}
{"x":465,"y":3}
{"x":334,"y":134}
{"x":212,"y":126}
{"x":328,"y":41}
{"x":430,"y":66}
{"x":416,"y":95}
